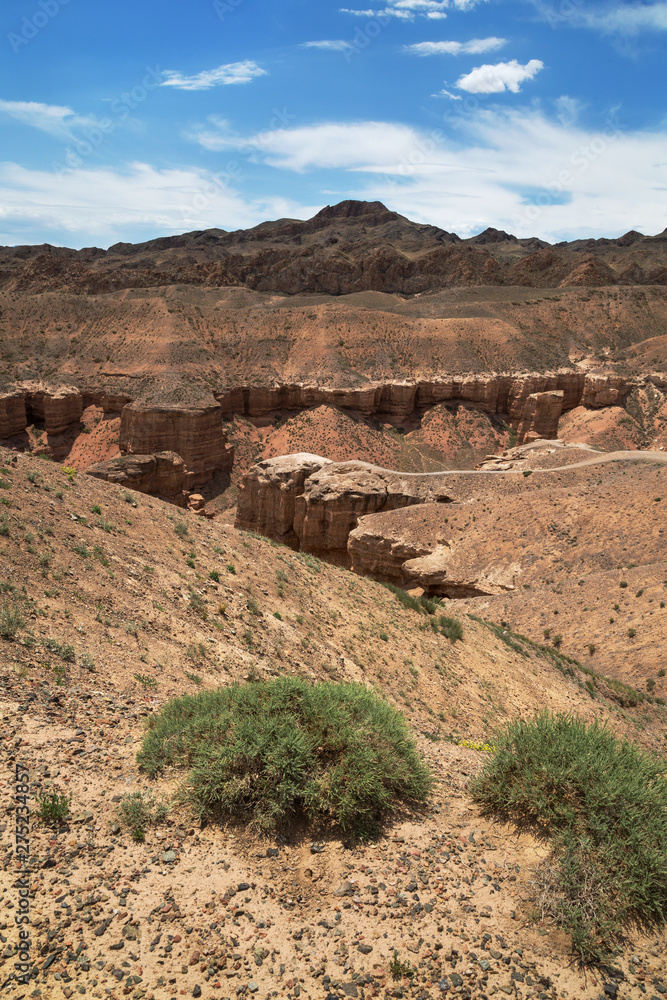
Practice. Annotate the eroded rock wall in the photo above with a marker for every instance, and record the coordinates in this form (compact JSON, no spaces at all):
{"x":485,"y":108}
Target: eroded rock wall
{"x":195,"y":433}
{"x":313,"y":504}
{"x":394,"y":401}
{"x":540,"y":416}
{"x":268,"y":495}
{"x":13,"y":416}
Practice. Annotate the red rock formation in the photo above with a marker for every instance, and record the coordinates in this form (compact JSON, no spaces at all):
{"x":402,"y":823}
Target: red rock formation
{"x":313,"y":504}
{"x":57,"y":407}
{"x":269,"y":492}
{"x":13,"y":417}
{"x":193,"y":432}
{"x":540,"y":416}
{"x":336,"y":497}
{"x":394,"y":401}
{"x":163,"y":475}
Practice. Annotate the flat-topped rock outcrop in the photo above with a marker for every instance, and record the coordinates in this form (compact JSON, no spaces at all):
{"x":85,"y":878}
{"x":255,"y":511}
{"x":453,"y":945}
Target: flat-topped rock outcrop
{"x":163,"y":475}
{"x":193,"y":432}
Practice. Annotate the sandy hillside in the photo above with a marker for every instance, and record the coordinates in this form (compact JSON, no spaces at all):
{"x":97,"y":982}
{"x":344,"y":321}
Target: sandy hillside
{"x":125,"y":602}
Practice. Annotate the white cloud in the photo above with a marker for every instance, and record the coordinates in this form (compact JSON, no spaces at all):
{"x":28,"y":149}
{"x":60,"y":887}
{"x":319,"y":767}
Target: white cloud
{"x":407,"y":10}
{"x":474,"y":47}
{"x":105,"y":205}
{"x":326,"y":145}
{"x":517,"y":170}
{"x":332,"y":45}
{"x":238,"y":72}
{"x":495,"y":79}
{"x":53,"y":119}
{"x":629,"y":19}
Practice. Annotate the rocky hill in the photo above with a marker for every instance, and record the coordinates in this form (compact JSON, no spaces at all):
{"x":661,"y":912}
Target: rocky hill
{"x":350,"y":247}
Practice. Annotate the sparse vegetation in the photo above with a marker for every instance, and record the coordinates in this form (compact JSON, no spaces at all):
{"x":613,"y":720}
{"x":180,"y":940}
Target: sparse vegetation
{"x":12,"y":618}
{"x":139,"y":811}
{"x":53,"y":807}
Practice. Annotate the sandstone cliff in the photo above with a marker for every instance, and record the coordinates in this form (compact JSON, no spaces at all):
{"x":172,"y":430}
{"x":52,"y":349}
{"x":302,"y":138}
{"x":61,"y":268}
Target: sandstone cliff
{"x":268,"y":495}
{"x":13,"y":416}
{"x":313,"y":504}
{"x":193,"y":432}
{"x":393,"y":402}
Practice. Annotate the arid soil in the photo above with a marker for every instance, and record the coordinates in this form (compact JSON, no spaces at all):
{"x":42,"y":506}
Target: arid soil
{"x":120,"y":613}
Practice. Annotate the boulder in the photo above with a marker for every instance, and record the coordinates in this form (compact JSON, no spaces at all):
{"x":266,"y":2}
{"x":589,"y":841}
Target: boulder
{"x":163,"y":474}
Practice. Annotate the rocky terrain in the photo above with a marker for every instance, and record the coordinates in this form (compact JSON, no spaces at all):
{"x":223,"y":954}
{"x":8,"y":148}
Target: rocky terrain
{"x":125,"y":602}
{"x":215,"y":449}
{"x":350,"y":247}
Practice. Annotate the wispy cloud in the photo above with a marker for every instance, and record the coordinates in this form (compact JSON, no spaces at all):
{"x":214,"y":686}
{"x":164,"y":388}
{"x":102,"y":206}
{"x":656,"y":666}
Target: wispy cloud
{"x":628,"y":19}
{"x":408,"y":10}
{"x":577,"y":176}
{"x":54,"y":119}
{"x":329,"y":45}
{"x":104,"y":205}
{"x":230,"y":73}
{"x":326,"y":145}
{"x":495,"y":79}
{"x":474,"y":47}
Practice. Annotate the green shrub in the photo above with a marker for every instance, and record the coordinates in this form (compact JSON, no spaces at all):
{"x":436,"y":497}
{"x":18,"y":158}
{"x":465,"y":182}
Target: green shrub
{"x":139,"y":810}
{"x":214,"y":575}
{"x":272,"y":750}
{"x":451,"y":628}
{"x":12,"y":619}
{"x":181,"y":529}
{"x":53,"y":808}
{"x":603,"y":804}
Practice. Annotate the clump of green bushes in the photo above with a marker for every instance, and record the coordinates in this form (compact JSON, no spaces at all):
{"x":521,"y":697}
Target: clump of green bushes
{"x":273,"y":751}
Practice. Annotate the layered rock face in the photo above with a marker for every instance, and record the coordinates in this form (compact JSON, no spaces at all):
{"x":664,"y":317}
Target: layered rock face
{"x":336,"y":497}
{"x":268,"y":495}
{"x":394,"y":401}
{"x":419,"y":549}
{"x":163,"y":475}
{"x":195,"y":433}
{"x":13,"y":416}
{"x":313,"y":504}
{"x":540,"y":416}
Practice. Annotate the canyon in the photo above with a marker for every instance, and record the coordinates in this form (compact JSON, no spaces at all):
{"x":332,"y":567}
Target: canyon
{"x":532,"y":405}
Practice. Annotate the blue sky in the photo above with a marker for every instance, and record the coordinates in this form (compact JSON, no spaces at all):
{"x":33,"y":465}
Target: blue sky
{"x":126,"y":121}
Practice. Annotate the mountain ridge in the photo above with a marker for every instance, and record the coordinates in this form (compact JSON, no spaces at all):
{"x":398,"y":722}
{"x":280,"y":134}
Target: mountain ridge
{"x":344,"y":248}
